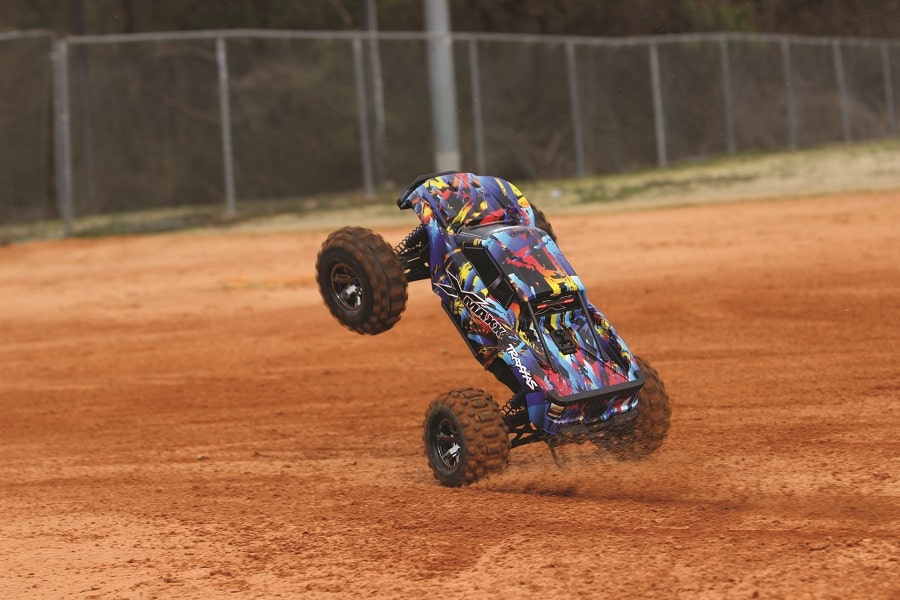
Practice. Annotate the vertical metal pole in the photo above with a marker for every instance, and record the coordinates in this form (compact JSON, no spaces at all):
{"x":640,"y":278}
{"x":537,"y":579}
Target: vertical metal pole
{"x":82,"y":107}
{"x":378,"y":142}
{"x":888,"y":89}
{"x":363,"y":118}
{"x":477,"y":118}
{"x":225,"y":118}
{"x":730,"y":143}
{"x":443,"y":85}
{"x":575,"y":100}
{"x":658,"y":116}
{"x":842,"y":89}
{"x":789,"y":100}
{"x":62,"y":137}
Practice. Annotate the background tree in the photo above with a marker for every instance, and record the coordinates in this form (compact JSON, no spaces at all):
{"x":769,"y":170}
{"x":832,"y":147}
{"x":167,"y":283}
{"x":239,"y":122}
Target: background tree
{"x":579,"y":17}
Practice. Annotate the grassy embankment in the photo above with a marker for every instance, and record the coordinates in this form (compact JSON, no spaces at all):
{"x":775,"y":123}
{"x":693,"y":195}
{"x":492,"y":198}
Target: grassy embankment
{"x":821,"y":171}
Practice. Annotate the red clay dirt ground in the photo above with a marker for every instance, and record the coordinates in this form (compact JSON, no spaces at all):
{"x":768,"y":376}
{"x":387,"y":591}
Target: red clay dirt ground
{"x":182,"y":418}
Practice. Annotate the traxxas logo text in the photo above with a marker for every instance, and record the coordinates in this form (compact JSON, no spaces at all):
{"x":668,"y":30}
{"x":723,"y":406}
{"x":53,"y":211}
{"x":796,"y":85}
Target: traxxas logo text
{"x":523,"y":370}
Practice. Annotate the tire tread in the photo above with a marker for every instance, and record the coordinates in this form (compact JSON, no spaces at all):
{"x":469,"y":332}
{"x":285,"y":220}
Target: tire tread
{"x":380,"y":266}
{"x":485,"y":433}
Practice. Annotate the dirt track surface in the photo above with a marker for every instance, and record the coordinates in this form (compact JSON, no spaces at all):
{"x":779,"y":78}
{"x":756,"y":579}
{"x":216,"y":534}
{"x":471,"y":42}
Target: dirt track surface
{"x":180,"y":417}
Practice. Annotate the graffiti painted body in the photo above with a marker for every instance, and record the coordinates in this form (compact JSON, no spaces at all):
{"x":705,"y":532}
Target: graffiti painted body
{"x":519,"y":304}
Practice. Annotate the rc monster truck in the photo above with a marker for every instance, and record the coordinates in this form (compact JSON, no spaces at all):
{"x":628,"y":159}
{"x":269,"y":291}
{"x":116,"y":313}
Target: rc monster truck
{"x":493,"y":261}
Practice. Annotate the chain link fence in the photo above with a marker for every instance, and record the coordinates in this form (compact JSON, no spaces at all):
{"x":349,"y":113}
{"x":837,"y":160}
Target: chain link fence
{"x":27,"y":191}
{"x":231,"y":121}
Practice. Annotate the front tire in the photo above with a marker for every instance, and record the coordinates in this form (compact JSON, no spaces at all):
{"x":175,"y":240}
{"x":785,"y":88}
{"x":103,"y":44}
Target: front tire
{"x":361,"y":280}
{"x":465,"y":437}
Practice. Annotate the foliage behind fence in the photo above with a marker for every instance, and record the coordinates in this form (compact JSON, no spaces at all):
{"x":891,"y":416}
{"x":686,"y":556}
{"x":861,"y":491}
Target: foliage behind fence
{"x":146,"y":119}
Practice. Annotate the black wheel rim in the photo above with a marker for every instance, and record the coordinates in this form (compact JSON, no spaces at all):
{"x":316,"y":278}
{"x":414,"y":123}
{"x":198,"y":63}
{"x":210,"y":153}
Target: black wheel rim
{"x":346,"y":287}
{"x":446,"y":443}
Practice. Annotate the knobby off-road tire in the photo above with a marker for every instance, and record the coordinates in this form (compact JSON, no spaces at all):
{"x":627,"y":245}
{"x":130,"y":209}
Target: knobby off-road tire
{"x":465,"y":437}
{"x":643,"y":436}
{"x":361,"y":280}
{"x":541,"y":222}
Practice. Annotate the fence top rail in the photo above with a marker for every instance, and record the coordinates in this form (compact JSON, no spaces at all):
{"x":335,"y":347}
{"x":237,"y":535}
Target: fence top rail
{"x":283,"y":34}
{"x":6,"y":36}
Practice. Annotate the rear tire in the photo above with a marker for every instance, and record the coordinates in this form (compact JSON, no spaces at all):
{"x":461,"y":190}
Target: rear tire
{"x":465,"y":437}
{"x":645,"y":434}
{"x":361,"y":280}
{"x":541,"y":222}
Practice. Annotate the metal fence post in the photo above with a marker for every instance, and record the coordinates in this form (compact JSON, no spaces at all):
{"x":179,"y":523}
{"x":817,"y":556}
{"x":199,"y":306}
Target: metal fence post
{"x":789,"y":100}
{"x":575,"y":101}
{"x":842,"y":89}
{"x":442,"y":85}
{"x":658,"y":116}
{"x":62,"y":138}
{"x":380,"y":133}
{"x":727,"y":95}
{"x":477,"y":118}
{"x":363,"y":117}
{"x":225,"y":117}
{"x":888,"y":88}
